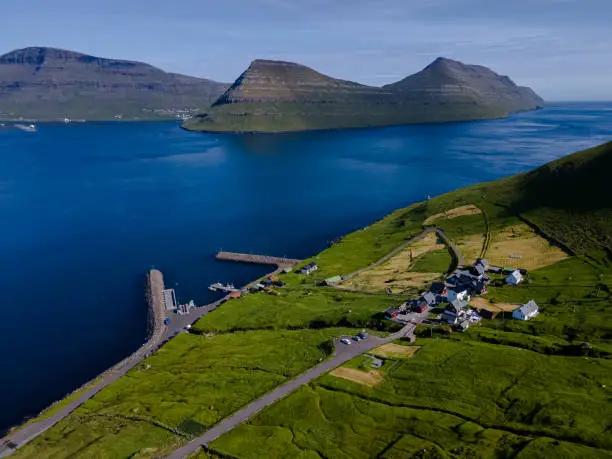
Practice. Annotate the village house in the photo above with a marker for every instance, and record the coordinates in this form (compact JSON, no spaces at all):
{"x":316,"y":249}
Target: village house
{"x":484,"y":263}
{"x":430,"y":298}
{"x":514,"y":278}
{"x":457,"y":306}
{"x":458,"y":293}
{"x":527,"y":311}
{"x":448,"y":317}
{"x":438,"y":288}
{"x":309,"y":268}
{"x":463,"y":325}
{"x":420,"y":307}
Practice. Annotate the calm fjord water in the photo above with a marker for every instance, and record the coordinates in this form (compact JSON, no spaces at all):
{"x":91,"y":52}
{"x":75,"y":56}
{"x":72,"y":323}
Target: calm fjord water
{"x":87,"y":209}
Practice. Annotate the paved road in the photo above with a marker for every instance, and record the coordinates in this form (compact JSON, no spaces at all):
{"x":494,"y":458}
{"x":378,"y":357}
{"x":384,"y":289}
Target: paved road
{"x":342,"y":354}
{"x":27,"y":433}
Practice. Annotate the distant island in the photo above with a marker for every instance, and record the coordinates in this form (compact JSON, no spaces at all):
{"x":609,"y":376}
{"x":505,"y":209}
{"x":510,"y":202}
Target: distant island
{"x":49,"y":84}
{"x":276,"y":96}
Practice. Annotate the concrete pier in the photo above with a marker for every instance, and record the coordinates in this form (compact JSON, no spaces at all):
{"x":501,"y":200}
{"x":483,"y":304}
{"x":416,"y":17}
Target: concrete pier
{"x":257,"y":259}
{"x":155,"y":300}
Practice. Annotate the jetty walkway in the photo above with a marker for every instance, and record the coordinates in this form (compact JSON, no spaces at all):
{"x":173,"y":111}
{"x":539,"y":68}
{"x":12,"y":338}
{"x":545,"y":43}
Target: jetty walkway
{"x":257,"y":259}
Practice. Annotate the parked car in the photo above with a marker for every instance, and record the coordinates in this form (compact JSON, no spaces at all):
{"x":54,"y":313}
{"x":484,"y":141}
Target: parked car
{"x":346,"y":341}
{"x":363,"y":335}
{"x":356,"y":339}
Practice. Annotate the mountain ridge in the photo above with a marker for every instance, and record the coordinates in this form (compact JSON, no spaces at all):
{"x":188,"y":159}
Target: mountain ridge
{"x":278,"y":96}
{"x":51,"y":83}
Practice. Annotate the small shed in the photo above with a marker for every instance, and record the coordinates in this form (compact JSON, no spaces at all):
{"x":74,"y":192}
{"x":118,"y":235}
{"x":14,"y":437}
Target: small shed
{"x":487,"y":314}
{"x":527,"y":311}
{"x":333,"y":280}
{"x":514,"y":278}
{"x":463,"y":325}
{"x":235,"y":295}
{"x":421,"y":307}
{"x":391,"y":313}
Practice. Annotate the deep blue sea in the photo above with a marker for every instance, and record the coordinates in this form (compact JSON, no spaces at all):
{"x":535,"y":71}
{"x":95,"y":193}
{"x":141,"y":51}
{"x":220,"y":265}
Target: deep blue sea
{"x":86,"y":209}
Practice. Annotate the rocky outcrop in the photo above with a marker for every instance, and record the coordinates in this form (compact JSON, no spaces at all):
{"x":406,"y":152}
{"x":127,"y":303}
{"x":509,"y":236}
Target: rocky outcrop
{"x":49,"y":83}
{"x":276,"y":96}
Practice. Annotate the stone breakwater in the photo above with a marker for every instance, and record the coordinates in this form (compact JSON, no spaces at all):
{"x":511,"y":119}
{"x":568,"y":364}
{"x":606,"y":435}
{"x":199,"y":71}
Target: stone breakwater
{"x":154,"y":295}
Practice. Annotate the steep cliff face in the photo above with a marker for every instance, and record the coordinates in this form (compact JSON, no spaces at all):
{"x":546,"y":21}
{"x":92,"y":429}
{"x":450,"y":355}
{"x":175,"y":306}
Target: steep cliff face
{"x":49,"y":83}
{"x":279,"y":81}
{"x":276,"y":96}
{"x":447,"y":81}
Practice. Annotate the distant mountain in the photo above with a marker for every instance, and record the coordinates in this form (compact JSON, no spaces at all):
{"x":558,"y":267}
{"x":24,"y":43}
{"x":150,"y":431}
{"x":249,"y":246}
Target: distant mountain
{"x":50,"y":84}
{"x":277,"y":96}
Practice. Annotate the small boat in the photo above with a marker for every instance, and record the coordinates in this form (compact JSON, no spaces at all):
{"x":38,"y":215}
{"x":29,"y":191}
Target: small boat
{"x":216,"y":286}
{"x":27,"y":127}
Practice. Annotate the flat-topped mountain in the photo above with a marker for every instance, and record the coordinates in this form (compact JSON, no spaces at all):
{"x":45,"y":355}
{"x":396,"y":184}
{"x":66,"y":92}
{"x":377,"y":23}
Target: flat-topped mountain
{"x":48,"y":83}
{"x":276,"y":96}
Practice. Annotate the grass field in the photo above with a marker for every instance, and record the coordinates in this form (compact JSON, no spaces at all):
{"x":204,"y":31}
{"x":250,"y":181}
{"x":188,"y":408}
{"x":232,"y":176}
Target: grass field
{"x":407,"y":272}
{"x":180,"y":391}
{"x":519,"y":246}
{"x":395,"y":351}
{"x":371,"y":378}
{"x":296,"y":307}
{"x":530,"y":404}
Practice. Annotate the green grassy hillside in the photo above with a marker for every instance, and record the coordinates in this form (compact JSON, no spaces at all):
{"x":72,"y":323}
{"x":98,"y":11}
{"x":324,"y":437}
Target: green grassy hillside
{"x":504,"y":389}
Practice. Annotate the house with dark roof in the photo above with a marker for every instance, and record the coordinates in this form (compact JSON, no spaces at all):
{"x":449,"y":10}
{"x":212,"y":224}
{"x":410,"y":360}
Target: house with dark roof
{"x":485,"y":313}
{"x":430,"y":298}
{"x":527,"y":311}
{"x":438,"y":288}
{"x":456,"y":306}
{"x":484,"y":263}
{"x":477,"y":270}
{"x":309,"y":268}
{"x":448,"y":317}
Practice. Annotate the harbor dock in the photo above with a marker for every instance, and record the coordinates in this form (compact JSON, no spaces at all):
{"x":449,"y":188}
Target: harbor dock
{"x":257,"y":259}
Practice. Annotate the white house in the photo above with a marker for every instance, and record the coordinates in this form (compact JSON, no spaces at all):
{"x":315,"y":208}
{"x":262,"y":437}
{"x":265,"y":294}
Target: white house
{"x":527,"y":311}
{"x":460,"y":294}
{"x":514,"y":278}
{"x":309,"y":268}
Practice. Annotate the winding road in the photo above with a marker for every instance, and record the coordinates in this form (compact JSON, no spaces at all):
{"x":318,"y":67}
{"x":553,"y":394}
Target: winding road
{"x":342,"y":354}
{"x":456,"y":252}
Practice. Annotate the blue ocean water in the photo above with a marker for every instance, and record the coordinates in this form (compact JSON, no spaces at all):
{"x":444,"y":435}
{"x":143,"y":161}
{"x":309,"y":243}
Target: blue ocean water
{"x":86,"y":209}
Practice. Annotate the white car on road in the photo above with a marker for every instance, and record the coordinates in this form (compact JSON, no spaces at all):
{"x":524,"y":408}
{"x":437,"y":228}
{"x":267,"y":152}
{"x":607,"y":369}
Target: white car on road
{"x":346,"y":341}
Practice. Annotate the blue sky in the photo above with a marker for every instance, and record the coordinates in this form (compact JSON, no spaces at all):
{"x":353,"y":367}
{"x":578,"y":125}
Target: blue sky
{"x":561,"y":48}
